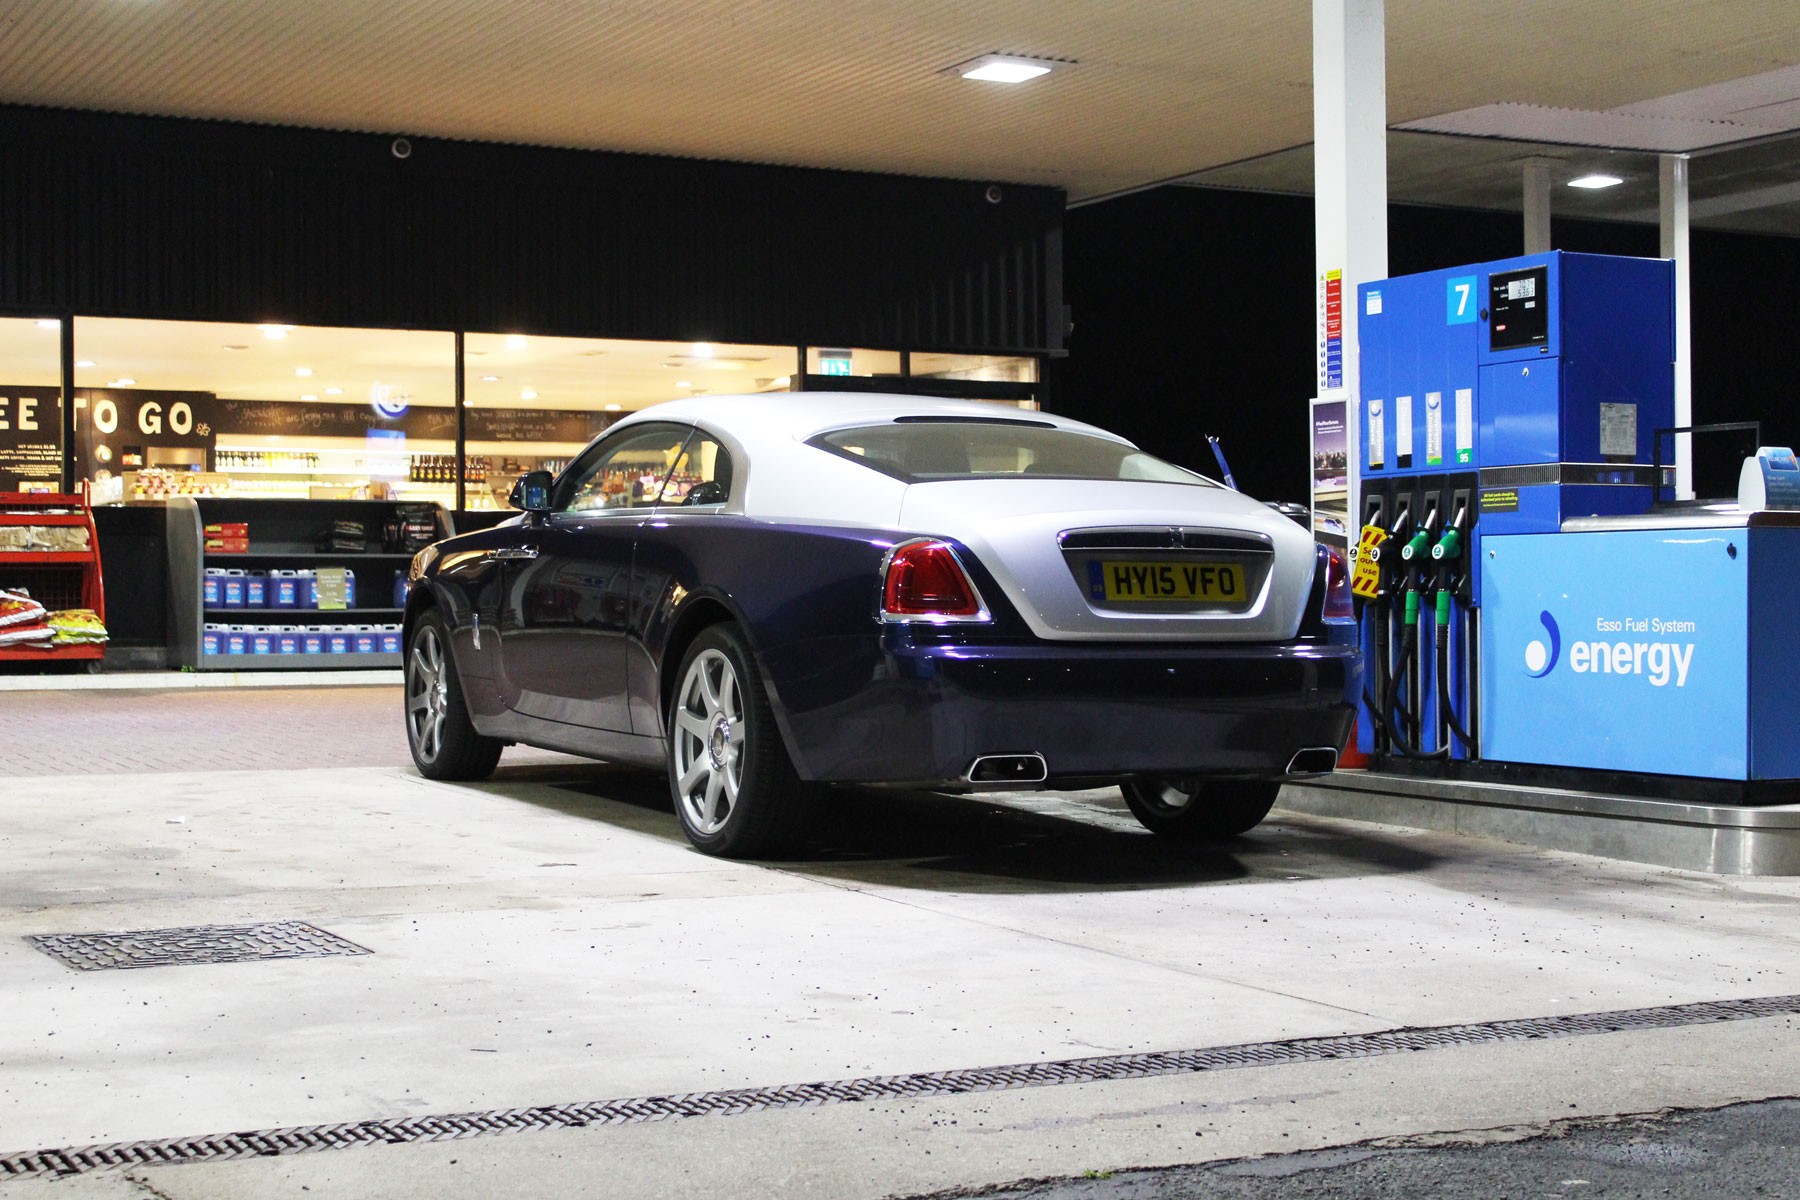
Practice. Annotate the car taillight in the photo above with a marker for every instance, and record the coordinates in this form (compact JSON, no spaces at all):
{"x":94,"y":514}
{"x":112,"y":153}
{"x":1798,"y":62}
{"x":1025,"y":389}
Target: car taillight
{"x":1338,"y":606}
{"x":925,"y":581}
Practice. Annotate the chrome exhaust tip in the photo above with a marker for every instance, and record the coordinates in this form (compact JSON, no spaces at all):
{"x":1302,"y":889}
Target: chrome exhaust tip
{"x":992,"y":769}
{"x":1314,"y":760}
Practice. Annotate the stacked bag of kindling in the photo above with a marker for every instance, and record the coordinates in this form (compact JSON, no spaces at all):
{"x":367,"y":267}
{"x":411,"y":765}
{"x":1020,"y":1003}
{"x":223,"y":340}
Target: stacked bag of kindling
{"x":24,"y":623}
{"x":78,"y":627}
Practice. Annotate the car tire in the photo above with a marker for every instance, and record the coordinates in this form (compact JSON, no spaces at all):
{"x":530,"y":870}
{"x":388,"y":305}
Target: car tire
{"x":442,"y":738}
{"x":1200,"y":809}
{"x":735,"y":788}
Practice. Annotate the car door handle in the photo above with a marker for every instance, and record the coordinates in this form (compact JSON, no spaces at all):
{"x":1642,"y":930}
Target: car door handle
{"x":508,"y":553}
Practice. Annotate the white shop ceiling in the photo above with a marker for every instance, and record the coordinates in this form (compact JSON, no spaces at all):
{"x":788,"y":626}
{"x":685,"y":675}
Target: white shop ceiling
{"x":1161,"y":89}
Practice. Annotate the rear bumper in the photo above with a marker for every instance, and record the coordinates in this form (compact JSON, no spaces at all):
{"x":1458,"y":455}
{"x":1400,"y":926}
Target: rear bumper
{"x":924,"y":712}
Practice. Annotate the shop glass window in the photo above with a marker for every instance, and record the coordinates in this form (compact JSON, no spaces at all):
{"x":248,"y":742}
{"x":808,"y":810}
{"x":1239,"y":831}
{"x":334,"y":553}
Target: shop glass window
{"x":202,"y":408}
{"x":535,"y":402}
{"x":986,"y":368}
{"x":30,"y":404}
{"x":865,"y":363}
{"x":628,"y":473}
{"x":702,"y":474}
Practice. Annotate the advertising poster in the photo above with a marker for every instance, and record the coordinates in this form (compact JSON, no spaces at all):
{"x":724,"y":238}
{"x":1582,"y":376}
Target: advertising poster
{"x":1330,"y":472}
{"x":30,"y":439}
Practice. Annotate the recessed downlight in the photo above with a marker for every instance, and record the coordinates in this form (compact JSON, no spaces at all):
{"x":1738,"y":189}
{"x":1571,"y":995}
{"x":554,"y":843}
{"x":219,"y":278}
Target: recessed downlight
{"x":683,"y":383}
{"x":84,"y":362}
{"x":1006,"y":68}
{"x":701,"y":350}
{"x":123,"y":381}
{"x":490,"y":379}
{"x":1595,"y":182}
{"x":303,"y":371}
{"x":516,"y":342}
{"x":334,"y":391}
{"x":274,"y":332}
{"x":528,"y":394}
{"x":50,"y":323}
{"x":309,"y":397}
{"x":614,"y":407}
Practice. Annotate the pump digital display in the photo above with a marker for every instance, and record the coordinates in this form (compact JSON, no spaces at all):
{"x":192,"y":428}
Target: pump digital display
{"x":1519,"y":309}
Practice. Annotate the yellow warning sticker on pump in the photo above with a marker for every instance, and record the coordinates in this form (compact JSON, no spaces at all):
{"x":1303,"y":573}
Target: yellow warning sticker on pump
{"x":1366,"y":581}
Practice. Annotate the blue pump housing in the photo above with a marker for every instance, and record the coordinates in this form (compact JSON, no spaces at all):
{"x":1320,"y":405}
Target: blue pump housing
{"x":1525,"y":391}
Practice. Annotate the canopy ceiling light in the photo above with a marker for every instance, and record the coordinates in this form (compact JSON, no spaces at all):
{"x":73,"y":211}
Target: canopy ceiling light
{"x":1596,"y":181}
{"x":1006,"y":68}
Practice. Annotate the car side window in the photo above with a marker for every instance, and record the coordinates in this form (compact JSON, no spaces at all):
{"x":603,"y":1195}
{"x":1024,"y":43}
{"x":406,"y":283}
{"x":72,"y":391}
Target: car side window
{"x":702,"y":474}
{"x":626,"y":473}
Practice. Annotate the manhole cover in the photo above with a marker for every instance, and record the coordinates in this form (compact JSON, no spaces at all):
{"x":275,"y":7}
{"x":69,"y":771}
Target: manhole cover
{"x":192,"y":944}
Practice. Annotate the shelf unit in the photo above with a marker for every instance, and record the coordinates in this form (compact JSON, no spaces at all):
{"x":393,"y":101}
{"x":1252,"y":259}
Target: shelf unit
{"x":282,"y":533}
{"x":56,"y":579}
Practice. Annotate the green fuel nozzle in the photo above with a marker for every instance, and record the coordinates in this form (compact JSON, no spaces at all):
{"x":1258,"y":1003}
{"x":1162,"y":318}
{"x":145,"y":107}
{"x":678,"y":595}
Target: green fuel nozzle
{"x":1443,"y":607}
{"x":1412,"y":606}
{"x":1449,"y":547}
{"x":1414,"y":552}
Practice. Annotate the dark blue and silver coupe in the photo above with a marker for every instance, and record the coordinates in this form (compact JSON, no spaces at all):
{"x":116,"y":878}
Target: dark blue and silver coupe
{"x":769,"y":595}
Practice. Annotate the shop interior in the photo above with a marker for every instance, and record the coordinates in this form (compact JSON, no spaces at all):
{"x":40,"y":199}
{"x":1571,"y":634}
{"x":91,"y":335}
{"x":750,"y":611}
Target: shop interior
{"x":185,"y":408}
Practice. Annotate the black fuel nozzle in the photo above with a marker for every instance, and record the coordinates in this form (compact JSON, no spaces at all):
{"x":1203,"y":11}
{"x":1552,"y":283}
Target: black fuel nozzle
{"x":1386,"y":555}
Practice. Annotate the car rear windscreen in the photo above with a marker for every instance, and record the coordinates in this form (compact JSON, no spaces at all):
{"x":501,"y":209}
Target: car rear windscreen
{"x":927,"y":450}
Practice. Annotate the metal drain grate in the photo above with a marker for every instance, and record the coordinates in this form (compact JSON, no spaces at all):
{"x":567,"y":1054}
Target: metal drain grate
{"x":304,"y":1139}
{"x":192,"y":944}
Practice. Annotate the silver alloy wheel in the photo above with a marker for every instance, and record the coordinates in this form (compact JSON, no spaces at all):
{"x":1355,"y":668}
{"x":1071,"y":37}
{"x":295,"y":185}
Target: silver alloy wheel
{"x":709,"y":742}
{"x":427,"y":694}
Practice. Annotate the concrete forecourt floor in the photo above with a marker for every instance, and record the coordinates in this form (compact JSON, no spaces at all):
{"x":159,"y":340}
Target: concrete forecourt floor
{"x":545,"y":943}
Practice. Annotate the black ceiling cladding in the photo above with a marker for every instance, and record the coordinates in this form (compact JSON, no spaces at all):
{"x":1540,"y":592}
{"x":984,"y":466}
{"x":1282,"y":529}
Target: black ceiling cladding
{"x":205,"y":220}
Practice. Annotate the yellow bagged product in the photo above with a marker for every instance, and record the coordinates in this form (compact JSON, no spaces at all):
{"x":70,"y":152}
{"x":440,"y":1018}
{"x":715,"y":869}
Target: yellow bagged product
{"x":77,"y":627}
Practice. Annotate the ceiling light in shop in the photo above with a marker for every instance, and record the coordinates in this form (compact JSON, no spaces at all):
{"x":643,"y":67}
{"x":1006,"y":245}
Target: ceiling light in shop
{"x":490,"y":379}
{"x":528,"y":394}
{"x":303,"y":371}
{"x":49,"y":324}
{"x":701,"y":350}
{"x":614,"y":407}
{"x":123,"y":381}
{"x":683,"y":383}
{"x":274,"y":332}
{"x":1596,"y":181}
{"x":309,"y":397}
{"x":85,"y":362}
{"x":334,"y":391}
{"x":1005,"y":68}
{"x":516,"y":342}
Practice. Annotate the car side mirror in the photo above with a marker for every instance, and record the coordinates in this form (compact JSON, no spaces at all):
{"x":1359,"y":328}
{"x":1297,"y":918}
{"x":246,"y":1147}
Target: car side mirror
{"x":710,"y":492}
{"x":532,"y":492}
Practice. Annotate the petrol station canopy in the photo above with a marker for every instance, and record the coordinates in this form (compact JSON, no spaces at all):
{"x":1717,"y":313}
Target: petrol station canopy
{"x":1140,"y":91}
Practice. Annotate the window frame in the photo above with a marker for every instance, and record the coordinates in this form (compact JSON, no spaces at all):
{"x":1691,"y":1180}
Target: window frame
{"x":564,"y":484}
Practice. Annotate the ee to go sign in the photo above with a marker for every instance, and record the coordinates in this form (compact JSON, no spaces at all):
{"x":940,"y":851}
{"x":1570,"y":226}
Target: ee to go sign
{"x":150,"y":416}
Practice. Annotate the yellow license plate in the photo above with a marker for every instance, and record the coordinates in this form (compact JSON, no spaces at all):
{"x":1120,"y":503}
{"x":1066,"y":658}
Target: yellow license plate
{"x":1218,"y":583}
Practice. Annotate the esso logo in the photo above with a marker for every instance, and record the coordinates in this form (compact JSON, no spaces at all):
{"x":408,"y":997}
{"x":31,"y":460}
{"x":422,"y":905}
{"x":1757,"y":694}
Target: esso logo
{"x":1540,"y":658}
{"x":388,"y":400}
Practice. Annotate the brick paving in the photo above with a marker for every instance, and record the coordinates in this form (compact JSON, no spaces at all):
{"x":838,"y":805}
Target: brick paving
{"x":205,"y":729}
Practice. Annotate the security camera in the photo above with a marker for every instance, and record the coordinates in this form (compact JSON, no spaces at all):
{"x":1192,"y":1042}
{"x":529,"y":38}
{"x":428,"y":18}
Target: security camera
{"x":401,"y":148}
{"x":994,"y":193}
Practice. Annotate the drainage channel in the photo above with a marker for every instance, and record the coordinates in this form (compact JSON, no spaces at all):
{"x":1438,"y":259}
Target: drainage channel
{"x":305,"y":1139}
